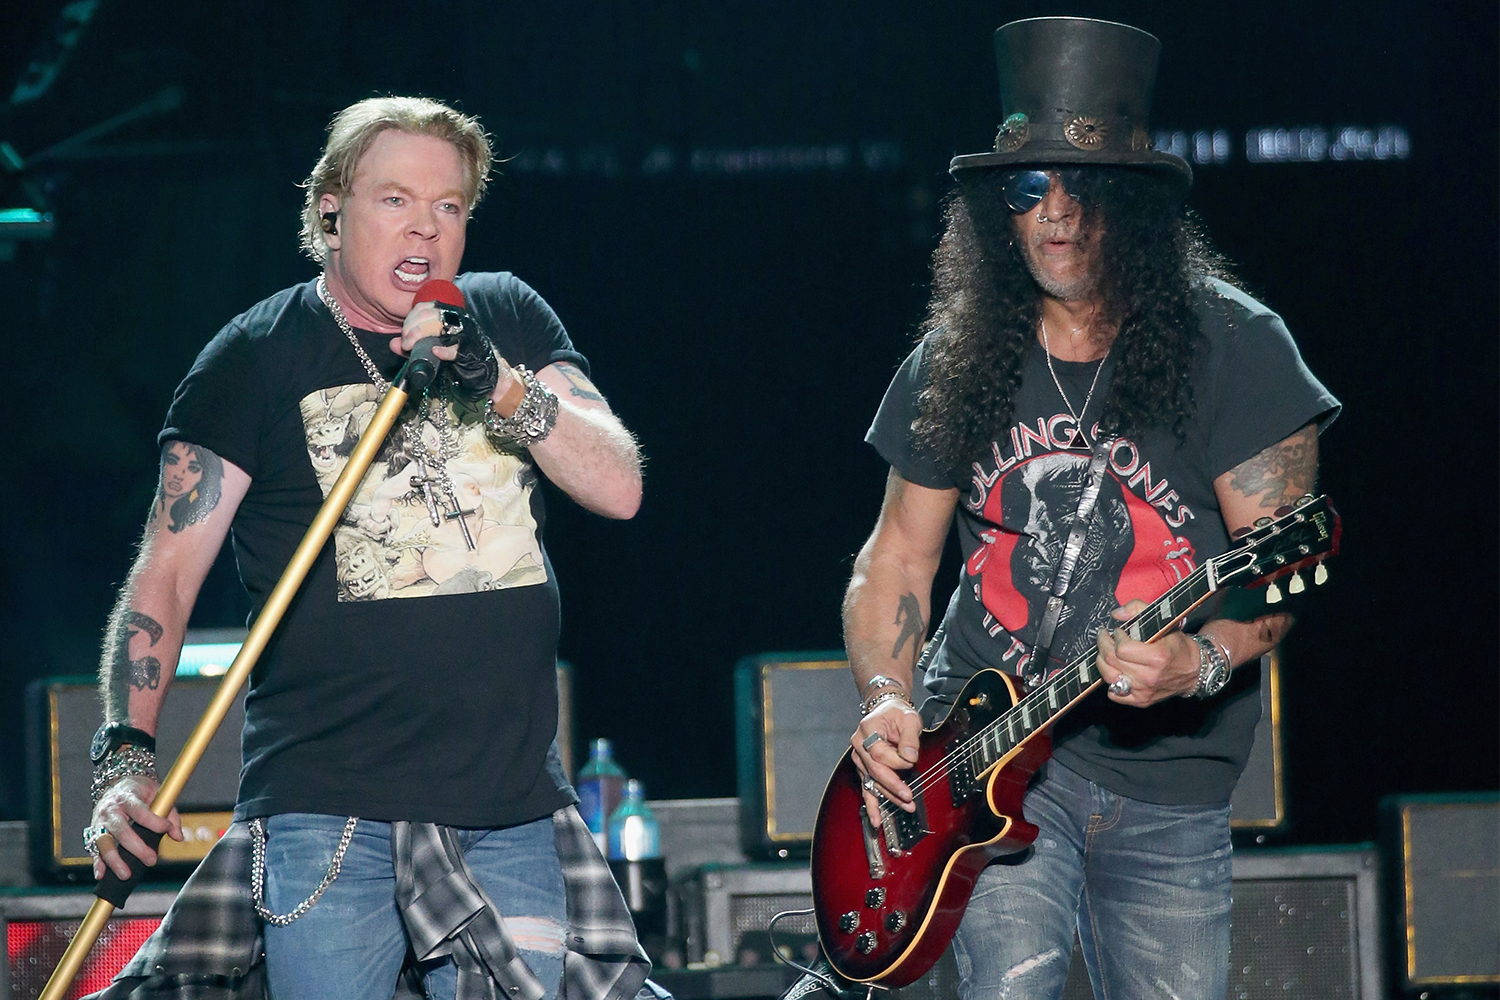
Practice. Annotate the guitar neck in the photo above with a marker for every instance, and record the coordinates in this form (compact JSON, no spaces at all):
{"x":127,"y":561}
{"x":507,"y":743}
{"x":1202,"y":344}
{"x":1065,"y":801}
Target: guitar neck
{"x":1058,"y":692}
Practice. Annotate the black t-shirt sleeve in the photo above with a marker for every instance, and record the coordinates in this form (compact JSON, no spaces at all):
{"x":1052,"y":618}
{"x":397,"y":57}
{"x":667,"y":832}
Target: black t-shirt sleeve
{"x":1263,"y":391}
{"x":891,"y":434}
{"x":525,"y":329}
{"x":219,"y":404}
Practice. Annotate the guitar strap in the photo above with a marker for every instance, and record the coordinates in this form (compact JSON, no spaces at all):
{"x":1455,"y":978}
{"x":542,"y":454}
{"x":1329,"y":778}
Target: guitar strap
{"x":1036,"y":668}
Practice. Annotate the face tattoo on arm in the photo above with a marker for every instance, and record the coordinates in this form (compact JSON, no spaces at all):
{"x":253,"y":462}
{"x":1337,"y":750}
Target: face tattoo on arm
{"x":192,"y":479}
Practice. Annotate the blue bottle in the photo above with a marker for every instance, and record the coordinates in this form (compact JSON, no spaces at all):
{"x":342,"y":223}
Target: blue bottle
{"x":601,"y":785}
{"x":633,"y":831}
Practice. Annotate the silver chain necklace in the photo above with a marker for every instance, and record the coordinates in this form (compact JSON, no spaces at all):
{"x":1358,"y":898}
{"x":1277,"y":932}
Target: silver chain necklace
{"x":433,"y":468}
{"x":1075,"y":414}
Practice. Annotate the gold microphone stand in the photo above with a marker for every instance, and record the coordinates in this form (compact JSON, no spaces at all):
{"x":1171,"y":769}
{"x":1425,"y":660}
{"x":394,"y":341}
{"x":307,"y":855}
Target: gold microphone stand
{"x":413,"y":377}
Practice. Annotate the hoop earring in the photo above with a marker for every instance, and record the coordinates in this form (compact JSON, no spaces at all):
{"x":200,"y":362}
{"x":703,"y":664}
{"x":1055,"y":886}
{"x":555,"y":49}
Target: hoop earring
{"x":1040,"y":218}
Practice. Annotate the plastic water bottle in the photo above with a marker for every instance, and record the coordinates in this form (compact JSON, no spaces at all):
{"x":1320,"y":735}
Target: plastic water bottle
{"x":633,"y":832}
{"x":601,"y":785}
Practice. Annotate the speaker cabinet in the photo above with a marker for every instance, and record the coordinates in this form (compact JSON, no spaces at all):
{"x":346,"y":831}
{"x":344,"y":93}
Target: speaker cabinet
{"x":796,"y":711}
{"x":1443,"y":889}
{"x":35,"y":929}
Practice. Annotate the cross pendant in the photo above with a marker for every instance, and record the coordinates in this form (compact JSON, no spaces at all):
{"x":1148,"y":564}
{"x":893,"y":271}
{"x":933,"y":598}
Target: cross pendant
{"x":459,"y":514}
{"x":423,"y":484}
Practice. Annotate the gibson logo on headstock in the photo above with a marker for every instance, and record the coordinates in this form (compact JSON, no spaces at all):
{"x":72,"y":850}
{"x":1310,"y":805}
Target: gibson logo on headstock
{"x":1320,"y":518}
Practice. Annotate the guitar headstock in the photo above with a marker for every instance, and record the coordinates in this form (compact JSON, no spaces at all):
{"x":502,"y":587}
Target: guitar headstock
{"x":1299,"y":536}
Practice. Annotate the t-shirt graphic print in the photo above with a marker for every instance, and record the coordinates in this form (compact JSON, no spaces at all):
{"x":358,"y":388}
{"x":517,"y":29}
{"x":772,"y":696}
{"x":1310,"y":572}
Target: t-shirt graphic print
{"x":386,"y":543}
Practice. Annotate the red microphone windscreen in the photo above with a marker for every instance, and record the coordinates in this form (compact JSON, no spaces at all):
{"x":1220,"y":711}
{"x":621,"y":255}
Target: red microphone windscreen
{"x":438,"y":290}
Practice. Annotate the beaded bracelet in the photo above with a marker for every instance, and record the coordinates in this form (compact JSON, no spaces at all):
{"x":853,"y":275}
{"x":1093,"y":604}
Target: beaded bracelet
{"x":894,"y":694}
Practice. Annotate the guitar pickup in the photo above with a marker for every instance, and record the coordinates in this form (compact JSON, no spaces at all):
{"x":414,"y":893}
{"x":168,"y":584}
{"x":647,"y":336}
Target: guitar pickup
{"x":903,"y":829}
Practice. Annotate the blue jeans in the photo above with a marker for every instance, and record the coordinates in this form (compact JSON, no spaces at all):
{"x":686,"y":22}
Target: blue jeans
{"x":1146,"y":886}
{"x":352,"y":942}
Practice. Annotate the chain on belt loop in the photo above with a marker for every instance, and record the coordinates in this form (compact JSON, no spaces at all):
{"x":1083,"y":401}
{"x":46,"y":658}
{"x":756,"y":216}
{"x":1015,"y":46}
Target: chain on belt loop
{"x":258,"y":873}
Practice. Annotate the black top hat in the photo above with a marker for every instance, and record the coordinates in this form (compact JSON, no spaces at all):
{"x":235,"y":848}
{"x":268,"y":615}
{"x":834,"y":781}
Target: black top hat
{"x":1075,"y":91}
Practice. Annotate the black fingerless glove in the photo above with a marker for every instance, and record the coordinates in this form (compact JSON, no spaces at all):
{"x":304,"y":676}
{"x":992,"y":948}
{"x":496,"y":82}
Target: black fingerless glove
{"x":476,"y":370}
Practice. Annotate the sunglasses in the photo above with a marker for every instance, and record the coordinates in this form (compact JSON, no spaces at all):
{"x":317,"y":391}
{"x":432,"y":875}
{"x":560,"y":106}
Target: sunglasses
{"x":1025,"y":189}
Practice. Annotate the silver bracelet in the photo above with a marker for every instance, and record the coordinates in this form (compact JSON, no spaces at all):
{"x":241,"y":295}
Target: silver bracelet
{"x":881,"y":680}
{"x":895,"y":694}
{"x":1213,"y":666}
{"x":128,"y":761}
{"x":533,"y":419}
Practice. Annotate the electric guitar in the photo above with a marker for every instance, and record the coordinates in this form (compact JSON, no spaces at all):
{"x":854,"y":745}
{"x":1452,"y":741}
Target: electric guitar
{"x":889,"y":890}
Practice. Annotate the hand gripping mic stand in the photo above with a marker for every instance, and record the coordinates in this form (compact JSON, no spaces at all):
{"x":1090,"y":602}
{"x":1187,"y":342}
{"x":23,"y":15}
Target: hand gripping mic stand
{"x":415,"y":375}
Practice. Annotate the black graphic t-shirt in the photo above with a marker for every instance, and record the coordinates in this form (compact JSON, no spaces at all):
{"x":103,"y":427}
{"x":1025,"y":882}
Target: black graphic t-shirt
{"x":1156,"y":519}
{"x":413,"y":677}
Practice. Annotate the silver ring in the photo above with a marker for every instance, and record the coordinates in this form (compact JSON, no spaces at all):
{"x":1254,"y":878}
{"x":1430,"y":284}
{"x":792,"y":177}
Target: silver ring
{"x":868,"y":784}
{"x":1121,"y":687}
{"x":871,"y":740}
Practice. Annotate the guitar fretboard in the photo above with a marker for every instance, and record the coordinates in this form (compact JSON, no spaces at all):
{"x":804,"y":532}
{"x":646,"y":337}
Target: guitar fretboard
{"x":1058,"y":692}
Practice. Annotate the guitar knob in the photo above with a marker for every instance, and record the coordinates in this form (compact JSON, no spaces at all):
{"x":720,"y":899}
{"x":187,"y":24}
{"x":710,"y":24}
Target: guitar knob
{"x":875,"y":898}
{"x":865,"y":942}
{"x":848,"y":922}
{"x":1273,"y":594}
{"x":1320,"y":575}
{"x":1296,"y":584}
{"x":894,"y":921}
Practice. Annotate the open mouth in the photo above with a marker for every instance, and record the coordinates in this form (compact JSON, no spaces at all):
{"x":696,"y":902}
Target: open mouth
{"x":412,"y":271}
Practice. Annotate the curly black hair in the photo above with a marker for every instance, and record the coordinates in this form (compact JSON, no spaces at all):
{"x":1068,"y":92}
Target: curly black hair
{"x":985,"y":308}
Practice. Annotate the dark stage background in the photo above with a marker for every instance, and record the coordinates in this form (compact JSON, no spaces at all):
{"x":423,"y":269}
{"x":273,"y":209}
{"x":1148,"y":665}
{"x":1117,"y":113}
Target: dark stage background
{"x":732,"y":209}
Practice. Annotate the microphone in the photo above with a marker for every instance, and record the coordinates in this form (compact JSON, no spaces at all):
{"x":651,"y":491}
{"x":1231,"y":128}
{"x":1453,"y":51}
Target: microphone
{"x":421,"y":368}
{"x":438,"y":290}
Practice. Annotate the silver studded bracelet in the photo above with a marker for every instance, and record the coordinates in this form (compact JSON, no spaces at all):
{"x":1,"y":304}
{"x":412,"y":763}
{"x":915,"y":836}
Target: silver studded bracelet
{"x":123,"y":763}
{"x":533,"y":419}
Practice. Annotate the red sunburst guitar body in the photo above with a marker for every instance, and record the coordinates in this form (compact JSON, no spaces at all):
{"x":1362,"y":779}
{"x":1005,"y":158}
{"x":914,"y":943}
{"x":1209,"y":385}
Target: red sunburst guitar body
{"x":913,"y":909}
{"x":890,"y":890}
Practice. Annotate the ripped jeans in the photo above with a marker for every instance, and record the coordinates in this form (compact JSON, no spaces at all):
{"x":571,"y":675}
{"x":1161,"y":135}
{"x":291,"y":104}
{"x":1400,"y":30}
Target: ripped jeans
{"x":1146,"y":886}
{"x":352,"y":942}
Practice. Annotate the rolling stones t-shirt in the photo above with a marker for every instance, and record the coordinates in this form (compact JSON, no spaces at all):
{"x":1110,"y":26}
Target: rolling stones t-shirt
{"x":1156,"y":519}
{"x":413,"y":677}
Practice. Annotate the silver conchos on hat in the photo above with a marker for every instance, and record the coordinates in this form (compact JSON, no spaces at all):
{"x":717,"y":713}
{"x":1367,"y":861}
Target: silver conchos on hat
{"x":1075,"y":91}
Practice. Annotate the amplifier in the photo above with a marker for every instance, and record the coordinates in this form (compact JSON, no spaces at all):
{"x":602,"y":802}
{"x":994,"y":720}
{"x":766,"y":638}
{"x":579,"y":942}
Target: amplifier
{"x":795,"y":712}
{"x":1305,"y":924}
{"x":1442,"y":854}
{"x":61,"y":717}
{"x":35,"y":929}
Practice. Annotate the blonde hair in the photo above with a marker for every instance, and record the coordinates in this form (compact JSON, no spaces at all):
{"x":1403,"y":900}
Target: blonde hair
{"x":354,"y":129}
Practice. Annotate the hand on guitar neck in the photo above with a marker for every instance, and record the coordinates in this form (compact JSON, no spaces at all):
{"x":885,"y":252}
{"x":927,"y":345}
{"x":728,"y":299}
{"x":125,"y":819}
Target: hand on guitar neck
{"x":1154,"y":671}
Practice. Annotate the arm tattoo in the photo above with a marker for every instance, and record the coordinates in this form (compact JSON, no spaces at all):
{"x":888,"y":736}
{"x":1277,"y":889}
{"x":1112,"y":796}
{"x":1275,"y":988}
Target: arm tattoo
{"x":909,"y":617}
{"x":579,"y":382}
{"x":124,"y":672}
{"x":1281,"y":473}
{"x":192,"y":480}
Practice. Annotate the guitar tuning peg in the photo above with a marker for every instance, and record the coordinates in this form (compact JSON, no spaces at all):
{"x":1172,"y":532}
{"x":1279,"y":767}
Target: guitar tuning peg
{"x":1261,"y":522}
{"x":1240,"y":532}
{"x":1296,"y":584}
{"x":1320,"y":575}
{"x":1281,"y":511}
{"x":1273,"y":594}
